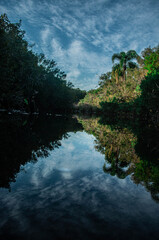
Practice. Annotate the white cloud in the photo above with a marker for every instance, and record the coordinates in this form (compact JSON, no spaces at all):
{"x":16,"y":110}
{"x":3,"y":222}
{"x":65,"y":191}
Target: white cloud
{"x":73,"y":74}
{"x":83,"y":35}
{"x":77,"y":61}
{"x":45,"y":34}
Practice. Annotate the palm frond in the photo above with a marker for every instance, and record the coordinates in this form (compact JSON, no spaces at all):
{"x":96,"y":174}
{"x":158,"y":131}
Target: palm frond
{"x":132,"y":65}
{"x":131,"y":54}
{"x":116,"y":56}
{"x":116,"y":66}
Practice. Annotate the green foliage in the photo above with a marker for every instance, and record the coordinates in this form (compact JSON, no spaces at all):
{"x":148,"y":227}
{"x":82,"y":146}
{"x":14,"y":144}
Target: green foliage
{"x":149,"y":98}
{"x":151,"y":59}
{"x":139,"y":95}
{"x":104,"y":78}
{"x":124,"y":62}
{"x":145,"y":106}
{"x":129,"y":147}
{"x":30,"y":81}
{"x":26,"y":101}
{"x":118,"y":91}
{"x":152,"y":63}
{"x":117,"y":72}
{"x":138,"y":89}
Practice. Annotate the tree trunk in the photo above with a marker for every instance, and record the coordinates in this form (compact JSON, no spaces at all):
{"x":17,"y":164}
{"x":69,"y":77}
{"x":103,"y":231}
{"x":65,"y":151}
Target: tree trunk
{"x":124,"y":73}
{"x":124,"y":77}
{"x":117,"y":78}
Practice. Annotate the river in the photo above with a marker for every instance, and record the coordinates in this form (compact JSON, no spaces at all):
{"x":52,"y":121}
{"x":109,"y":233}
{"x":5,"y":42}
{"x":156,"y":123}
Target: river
{"x":74,"y":178}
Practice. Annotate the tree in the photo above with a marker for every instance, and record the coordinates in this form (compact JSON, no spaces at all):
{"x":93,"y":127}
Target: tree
{"x":117,"y":72}
{"x":149,"y":98}
{"x":125,"y":60}
{"x":151,"y":59}
{"x":29,"y":79}
{"x":104,"y":78}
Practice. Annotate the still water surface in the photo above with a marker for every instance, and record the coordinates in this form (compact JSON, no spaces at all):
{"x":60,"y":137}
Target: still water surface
{"x":54,"y":186}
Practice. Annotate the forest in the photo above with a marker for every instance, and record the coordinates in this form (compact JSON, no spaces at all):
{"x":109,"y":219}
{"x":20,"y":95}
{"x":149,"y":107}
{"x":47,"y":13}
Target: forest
{"x":32,"y":83}
{"x":131,"y":89}
{"x":29,"y":82}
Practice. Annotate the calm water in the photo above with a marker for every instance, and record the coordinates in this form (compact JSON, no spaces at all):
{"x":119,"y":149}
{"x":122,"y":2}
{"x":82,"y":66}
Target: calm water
{"x":66,"y":179}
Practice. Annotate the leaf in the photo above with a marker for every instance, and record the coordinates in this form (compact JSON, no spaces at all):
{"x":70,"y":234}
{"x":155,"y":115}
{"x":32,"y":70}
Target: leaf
{"x":26,"y":101}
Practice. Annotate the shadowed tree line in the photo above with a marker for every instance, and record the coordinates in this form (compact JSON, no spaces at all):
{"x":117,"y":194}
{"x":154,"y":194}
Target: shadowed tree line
{"x":29,"y":81}
{"x":24,"y":139}
{"x":130,"y":148}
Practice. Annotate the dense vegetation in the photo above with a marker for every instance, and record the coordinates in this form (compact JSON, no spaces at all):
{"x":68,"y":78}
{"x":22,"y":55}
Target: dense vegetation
{"x":28,"y":80}
{"x":127,"y":131}
{"x":130,"y":148}
{"x":132,"y":88}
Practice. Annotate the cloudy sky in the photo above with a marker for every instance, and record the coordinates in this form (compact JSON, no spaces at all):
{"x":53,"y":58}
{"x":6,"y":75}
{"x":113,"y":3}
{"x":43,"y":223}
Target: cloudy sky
{"x":82,"y":35}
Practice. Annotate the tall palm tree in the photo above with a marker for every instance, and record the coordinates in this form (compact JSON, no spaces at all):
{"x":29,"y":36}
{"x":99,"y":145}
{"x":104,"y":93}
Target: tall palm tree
{"x":124,"y":59}
{"x":117,"y":72}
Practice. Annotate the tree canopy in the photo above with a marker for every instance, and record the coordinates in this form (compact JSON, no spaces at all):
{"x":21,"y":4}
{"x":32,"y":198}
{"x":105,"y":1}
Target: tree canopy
{"x":125,"y":62}
{"x":28,"y":80}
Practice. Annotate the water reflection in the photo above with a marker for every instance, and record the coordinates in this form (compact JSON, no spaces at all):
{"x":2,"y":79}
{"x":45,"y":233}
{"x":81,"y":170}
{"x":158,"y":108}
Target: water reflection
{"x":26,"y":138}
{"x":130,"y":148}
{"x":59,"y":189}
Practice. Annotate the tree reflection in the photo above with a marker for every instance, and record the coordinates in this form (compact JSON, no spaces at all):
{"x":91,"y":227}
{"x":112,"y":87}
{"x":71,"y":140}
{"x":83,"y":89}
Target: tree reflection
{"x":130,"y":148}
{"x":147,"y":147}
{"x":26,"y":138}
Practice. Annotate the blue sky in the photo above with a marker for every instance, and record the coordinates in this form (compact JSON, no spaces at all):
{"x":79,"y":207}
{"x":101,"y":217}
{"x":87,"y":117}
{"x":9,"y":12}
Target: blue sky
{"x":82,"y":35}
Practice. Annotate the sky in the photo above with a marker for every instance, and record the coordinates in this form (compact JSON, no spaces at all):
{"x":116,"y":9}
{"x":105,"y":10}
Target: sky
{"x":82,"y":35}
